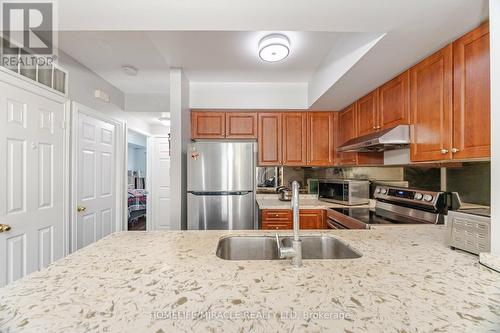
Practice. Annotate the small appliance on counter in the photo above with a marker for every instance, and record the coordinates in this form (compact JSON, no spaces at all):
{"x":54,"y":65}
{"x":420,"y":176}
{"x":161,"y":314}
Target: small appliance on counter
{"x":394,"y":205}
{"x":347,"y":192}
{"x":469,"y":230}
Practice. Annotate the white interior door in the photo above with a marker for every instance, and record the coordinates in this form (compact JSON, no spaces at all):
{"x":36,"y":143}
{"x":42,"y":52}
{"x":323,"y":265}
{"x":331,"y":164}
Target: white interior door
{"x":31,"y":182}
{"x":96,"y":175}
{"x":160,"y":185}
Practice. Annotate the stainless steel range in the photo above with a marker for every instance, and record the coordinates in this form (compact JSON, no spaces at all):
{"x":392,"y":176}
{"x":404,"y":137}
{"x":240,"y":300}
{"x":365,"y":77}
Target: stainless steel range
{"x":394,"y":205}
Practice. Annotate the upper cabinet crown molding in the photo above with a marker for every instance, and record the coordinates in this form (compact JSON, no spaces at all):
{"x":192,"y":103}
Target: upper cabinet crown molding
{"x":471,"y":95}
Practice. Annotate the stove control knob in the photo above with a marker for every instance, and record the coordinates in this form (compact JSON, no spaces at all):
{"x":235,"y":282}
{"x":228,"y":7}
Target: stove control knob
{"x":428,"y":197}
{"x":378,"y":190}
{"x":384,"y":191}
{"x":418,"y":196}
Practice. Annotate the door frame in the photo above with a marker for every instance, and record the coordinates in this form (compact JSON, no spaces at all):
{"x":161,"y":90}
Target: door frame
{"x":120,"y":164}
{"x":149,"y":146}
{"x":21,"y":82}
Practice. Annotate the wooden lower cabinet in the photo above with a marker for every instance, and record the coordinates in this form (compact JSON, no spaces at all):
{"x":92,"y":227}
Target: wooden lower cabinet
{"x":281,"y":219}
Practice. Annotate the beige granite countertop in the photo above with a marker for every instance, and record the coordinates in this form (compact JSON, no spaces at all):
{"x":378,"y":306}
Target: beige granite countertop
{"x":307,"y":201}
{"x":406,"y":281}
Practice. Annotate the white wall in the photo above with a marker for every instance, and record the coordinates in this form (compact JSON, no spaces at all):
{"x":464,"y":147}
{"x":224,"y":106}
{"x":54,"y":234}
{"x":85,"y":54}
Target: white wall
{"x":180,"y":136}
{"x":495,"y":123}
{"x":82,"y":84}
{"x":248,"y":95}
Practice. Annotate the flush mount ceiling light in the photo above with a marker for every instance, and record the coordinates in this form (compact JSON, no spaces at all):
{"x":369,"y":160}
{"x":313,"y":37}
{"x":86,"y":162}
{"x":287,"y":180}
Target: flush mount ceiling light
{"x":164,"y":119}
{"x":274,"y":47}
{"x":130,"y":70}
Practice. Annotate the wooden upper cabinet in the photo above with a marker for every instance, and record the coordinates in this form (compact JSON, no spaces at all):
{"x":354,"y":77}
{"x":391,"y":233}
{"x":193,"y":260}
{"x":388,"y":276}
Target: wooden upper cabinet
{"x":241,"y":125}
{"x":321,"y":138}
{"x":471,"y":89}
{"x":367,"y":114}
{"x":347,"y":131}
{"x":208,"y":125}
{"x":269,"y":138}
{"x":394,"y":102}
{"x":294,"y":127}
{"x":431,"y":103}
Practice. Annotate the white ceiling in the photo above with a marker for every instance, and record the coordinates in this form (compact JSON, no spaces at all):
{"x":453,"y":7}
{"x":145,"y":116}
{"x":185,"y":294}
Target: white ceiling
{"x":220,"y":37}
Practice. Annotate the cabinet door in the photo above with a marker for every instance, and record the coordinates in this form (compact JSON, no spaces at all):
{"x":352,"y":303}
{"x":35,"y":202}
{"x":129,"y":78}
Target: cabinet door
{"x":367,"y":114}
{"x":311,"y":219}
{"x":471,"y":104}
{"x":294,"y":138}
{"x":431,"y":100}
{"x":394,"y":102}
{"x":347,"y":131}
{"x":269,"y":138}
{"x":208,"y":125}
{"x":241,"y":125}
{"x":276,"y":219}
{"x":320,"y":138}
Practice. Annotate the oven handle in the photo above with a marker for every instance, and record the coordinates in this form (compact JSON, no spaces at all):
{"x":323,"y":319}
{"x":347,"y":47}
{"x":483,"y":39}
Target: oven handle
{"x":334,"y":224}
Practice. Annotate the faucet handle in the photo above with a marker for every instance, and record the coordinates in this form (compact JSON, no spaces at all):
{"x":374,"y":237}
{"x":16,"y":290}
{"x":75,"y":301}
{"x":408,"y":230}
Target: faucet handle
{"x":283,"y":251}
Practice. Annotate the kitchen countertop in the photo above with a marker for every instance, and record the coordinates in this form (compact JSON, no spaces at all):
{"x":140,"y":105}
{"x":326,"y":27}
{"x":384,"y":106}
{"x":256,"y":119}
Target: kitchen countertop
{"x":307,"y":201}
{"x":406,"y":281}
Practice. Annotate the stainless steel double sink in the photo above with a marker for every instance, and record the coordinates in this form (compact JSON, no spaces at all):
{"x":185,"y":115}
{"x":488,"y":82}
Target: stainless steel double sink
{"x":265,"y":248}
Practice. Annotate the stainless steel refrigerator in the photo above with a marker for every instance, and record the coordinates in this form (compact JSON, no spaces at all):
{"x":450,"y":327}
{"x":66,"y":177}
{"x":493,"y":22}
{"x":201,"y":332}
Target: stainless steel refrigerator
{"x":221,"y":188}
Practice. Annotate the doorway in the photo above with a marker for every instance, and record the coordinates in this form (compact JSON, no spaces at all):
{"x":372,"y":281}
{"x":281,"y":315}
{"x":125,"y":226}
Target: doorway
{"x":137,"y":168}
{"x":98,"y":147}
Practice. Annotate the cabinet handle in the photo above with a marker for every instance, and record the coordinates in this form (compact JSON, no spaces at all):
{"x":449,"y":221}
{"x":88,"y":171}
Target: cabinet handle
{"x":455,"y":150}
{"x":444,"y":151}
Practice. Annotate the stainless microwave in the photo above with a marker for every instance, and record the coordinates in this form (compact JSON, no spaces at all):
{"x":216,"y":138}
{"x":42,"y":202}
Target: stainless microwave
{"x":344,"y":191}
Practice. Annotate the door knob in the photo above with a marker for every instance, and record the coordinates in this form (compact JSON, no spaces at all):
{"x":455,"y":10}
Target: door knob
{"x":4,"y":228}
{"x":444,"y":151}
{"x":81,"y":209}
{"x":455,"y":150}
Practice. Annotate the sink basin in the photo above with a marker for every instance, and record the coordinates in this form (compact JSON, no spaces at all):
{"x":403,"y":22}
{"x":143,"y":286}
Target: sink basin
{"x":264,"y":248}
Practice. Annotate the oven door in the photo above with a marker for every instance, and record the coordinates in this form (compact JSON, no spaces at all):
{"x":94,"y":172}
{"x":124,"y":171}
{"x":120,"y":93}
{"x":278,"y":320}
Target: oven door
{"x":333,"y":192}
{"x":337,"y":220}
{"x":332,"y":224}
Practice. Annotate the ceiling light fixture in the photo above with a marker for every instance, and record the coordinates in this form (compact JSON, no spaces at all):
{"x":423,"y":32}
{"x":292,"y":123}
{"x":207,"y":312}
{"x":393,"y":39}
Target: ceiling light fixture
{"x":164,"y":119}
{"x":130,"y":70}
{"x":274,"y":47}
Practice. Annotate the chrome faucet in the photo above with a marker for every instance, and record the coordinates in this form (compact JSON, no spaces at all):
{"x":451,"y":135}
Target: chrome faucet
{"x":295,"y":251}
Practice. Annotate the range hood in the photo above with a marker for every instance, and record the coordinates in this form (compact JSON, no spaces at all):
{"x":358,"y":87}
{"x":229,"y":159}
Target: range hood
{"x":392,"y":138}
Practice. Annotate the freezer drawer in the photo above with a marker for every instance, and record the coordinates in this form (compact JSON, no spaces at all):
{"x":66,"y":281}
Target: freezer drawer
{"x":221,"y":211}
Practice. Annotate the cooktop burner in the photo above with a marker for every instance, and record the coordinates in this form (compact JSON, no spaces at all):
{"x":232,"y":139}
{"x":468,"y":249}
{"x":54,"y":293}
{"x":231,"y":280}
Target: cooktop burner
{"x":376,"y":216}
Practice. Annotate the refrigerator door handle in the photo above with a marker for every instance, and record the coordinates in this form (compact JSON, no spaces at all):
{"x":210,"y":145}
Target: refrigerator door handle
{"x":197,"y":193}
